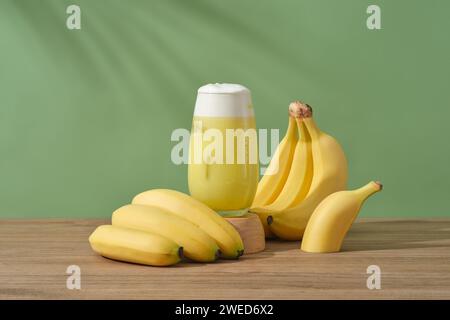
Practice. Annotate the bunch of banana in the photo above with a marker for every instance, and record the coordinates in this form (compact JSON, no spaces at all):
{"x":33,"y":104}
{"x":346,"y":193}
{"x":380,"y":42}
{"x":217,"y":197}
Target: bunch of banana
{"x":318,"y":167}
{"x":197,"y":245}
{"x":199,"y":214}
{"x":271,"y":184}
{"x":162,"y":224}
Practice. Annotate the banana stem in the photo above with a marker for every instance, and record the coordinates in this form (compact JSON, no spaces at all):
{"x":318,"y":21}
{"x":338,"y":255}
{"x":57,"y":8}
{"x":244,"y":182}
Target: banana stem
{"x":303,"y":131}
{"x":369,"y":189}
{"x":180,"y":252}
{"x":292,"y":127}
{"x":312,"y":127}
{"x":298,"y":109}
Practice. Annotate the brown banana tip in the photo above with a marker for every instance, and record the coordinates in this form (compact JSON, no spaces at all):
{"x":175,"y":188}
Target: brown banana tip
{"x":380,"y":185}
{"x":269,"y":220}
{"x":218,"y":254}
{"x":240,"y":253}
{"x":298,"y":109}
{"x":180,"y":252}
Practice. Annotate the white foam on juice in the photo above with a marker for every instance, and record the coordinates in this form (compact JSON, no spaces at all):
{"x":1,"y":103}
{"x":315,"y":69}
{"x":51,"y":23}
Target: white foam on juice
{"x":223,"y":100}
{"x":213,"y":88}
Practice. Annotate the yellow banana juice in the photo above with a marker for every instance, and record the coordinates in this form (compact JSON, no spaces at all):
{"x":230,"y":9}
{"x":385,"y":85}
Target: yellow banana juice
{"x":223,"y":154}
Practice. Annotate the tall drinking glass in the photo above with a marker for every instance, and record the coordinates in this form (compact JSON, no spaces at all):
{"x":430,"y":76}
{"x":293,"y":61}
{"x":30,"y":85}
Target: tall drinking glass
{"x":223,"y":154}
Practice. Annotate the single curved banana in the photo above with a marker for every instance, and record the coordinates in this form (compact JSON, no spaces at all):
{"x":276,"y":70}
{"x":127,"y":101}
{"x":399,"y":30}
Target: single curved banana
{"x":186,"y":207}
{"x":135,"y":246}
{"x":197,"y":245}
{"x":333,"y":217}
{"x":329,"y":175}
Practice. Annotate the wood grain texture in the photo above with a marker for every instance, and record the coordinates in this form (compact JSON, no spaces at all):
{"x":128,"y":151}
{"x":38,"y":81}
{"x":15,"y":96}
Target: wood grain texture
{"x":414,"y":257}
{"x":251,"y":231}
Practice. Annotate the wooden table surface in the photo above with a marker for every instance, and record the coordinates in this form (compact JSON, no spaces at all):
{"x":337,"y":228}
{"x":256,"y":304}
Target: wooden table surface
{"x":413,"y":255}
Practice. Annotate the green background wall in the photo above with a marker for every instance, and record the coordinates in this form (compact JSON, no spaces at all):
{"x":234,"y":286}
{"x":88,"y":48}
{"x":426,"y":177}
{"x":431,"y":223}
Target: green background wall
{"x":86,"y":116}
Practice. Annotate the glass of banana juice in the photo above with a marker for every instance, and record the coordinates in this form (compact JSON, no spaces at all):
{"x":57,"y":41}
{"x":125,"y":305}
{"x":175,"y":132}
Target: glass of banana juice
{"x":223,"y":168}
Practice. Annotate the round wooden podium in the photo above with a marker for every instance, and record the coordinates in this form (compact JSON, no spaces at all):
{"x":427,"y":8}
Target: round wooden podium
{"x":251,"y":231}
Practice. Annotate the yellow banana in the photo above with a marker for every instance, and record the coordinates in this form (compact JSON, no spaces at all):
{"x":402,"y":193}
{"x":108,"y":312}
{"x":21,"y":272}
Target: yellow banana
{"x":333,"y":217}
{"x":329,"y":175}
{"x":271,"y":184}
{"x":197,"y":245}
{"x":274,"y":179}
{"x":300,"y":176}
{"x":186,"y":207}
{"x":135,"y":246}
